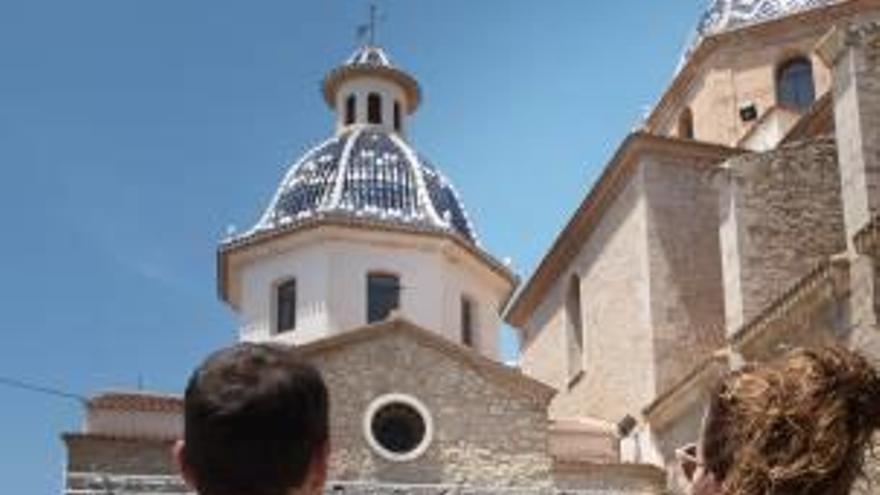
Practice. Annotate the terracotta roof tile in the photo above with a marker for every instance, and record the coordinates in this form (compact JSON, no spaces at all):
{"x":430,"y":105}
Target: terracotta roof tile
{"x":137,"y":401}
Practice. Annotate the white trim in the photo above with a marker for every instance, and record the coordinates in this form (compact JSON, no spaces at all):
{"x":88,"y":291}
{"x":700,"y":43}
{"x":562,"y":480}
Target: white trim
{"x":422,"y":195}
{"x":384,"y":400}
{"x":341,"y":170}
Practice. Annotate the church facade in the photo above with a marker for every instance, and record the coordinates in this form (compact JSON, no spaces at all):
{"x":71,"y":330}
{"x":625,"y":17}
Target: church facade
{"x":737,"y":222}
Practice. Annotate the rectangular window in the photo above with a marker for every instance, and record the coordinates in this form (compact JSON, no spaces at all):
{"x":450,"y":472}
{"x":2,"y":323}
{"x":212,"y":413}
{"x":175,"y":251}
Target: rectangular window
{"x":286,"y":306}
{"x":383,"y":296}
{"x":467,"y":322}
{"x":374,"y":108}
{"x":397,"y":119}
{"x":574,"y":329}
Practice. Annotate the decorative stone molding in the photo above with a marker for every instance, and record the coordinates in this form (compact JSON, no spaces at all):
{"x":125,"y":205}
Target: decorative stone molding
{"x":829,"y":280}
{"x":407,"y":400}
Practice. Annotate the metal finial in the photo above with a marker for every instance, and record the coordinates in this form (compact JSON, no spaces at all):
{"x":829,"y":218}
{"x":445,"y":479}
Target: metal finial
{"x":368,"y":31}
{"x":373,"y":9}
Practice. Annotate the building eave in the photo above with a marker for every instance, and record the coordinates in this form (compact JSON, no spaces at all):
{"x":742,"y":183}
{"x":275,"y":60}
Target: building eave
{"x":240,"y":244}
{"x":586,"y":217}
{"x":338,"y":76}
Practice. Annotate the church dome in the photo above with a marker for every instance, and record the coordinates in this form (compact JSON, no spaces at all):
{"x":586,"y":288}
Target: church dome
{"x":724,"y":15}
{"x":367,"y":173}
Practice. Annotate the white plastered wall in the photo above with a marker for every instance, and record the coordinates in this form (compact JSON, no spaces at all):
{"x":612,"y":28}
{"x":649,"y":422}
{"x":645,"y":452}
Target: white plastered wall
{"x":331,"y":266}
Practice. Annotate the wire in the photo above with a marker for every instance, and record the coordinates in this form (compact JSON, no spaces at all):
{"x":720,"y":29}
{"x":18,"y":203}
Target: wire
{"x":22,"y":385}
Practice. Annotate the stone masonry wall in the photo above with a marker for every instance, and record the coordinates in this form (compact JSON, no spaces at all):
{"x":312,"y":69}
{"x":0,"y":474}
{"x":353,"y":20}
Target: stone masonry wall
{"x":857,"y":120}
{"x":855,"y":55}
{"x":613,"y":272}
{"x":781,"y":215}
{"x":687,"y":300}
{"x":485,"y":434}
{"x":110,"y":455}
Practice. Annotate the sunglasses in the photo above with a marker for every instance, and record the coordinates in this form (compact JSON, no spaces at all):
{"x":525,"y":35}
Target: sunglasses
{"x":688,"y":461}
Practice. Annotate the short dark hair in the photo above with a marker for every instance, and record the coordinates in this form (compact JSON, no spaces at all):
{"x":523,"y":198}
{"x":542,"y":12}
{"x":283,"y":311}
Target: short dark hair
{"x":255,"y":417}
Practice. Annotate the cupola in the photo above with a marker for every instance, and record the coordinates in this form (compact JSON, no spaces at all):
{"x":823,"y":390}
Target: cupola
{"x":369,"y":90}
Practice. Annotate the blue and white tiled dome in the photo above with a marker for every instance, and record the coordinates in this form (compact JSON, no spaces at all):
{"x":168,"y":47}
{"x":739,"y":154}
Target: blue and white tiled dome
{"x":723,"y":15}
{"x":726,"y":15}
{"x":367,"y":173}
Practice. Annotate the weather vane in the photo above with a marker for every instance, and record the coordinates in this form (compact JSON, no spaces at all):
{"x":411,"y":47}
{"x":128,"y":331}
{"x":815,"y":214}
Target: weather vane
{"x":368,"y":30}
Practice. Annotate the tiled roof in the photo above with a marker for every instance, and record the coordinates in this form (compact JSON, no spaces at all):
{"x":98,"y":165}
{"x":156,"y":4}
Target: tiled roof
{"x":367,"y":173}
{"x":723,"y":15}
{"x":137,"y":401}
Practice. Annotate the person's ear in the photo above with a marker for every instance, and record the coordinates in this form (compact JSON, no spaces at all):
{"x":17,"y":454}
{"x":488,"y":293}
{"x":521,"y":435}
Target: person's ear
{"x":178,"y":452}
{"x":319,"y":468}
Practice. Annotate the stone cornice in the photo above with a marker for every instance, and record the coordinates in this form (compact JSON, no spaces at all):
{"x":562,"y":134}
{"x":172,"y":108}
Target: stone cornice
{"x":346,"y":72}
{"x":829,"y":278}
{"x":668,"y":404}
{"x":634,"y":471}
{"x":616,"y":175}
{"x":103,"y":437}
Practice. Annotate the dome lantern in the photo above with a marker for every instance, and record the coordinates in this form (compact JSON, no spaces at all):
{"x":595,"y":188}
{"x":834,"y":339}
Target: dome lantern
{"x":369,"y":90}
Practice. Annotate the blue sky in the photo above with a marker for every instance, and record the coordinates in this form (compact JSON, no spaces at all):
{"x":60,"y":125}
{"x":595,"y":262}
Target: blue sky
{"x":132,"y":133}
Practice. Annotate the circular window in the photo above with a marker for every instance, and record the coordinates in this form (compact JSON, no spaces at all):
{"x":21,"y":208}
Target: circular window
{"x":398,"y":427}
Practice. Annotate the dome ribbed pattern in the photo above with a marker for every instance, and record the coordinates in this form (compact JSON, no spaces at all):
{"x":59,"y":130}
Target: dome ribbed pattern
{"x":367,"y":173}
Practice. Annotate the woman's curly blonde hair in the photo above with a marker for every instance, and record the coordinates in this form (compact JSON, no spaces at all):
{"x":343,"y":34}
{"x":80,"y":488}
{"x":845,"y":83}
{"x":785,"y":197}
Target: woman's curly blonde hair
{"x":797,"y":426}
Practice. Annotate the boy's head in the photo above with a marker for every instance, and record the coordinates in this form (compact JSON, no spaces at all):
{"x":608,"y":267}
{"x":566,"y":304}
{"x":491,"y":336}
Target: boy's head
{"x":255,"y":423}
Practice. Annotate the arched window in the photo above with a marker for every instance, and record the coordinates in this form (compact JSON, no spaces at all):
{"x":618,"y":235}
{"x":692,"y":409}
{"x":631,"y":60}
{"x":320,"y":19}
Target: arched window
{"x":383,"y":296}
{"x":350,"y":109}
{"x":374,"y":108}
{"x":574,"y":327}
{"x":397,"y":117}
{"x":794,"y":84}
{"x":468,"y":324}
{"x":285,"y":303}
{"x":686,"y":124}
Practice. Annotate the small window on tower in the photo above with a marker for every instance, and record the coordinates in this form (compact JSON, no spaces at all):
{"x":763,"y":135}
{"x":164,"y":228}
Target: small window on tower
{"x":794,"y":84}
{"x":349,"y":109}
{"x":397,"y":119}
{"x":383,"y":296}
{"x":467,"y":321}
{"x":574,"y":328}
{"x":374,"y":108}
{"x":286,"y":306}
{"x":686,"y":124}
